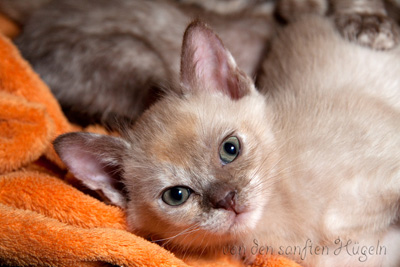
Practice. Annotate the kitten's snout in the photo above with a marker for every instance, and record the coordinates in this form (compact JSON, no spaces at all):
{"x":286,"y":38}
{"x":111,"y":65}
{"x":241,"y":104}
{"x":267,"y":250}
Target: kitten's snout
{"x":227,"y":202}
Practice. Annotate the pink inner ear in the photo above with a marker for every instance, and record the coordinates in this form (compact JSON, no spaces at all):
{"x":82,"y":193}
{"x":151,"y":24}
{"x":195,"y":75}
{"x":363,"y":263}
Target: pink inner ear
{"x":206,"y":64}
{"x":86,"y":167}
{"x":92,"y":158}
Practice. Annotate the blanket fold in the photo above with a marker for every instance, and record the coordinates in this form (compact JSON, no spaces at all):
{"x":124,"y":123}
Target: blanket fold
{"x":44,"y":220}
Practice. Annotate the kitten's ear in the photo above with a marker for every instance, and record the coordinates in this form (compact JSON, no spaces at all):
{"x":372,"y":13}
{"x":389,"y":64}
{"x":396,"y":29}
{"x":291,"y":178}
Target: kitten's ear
{"x":207,"y":65}
{"x":96,"y":160}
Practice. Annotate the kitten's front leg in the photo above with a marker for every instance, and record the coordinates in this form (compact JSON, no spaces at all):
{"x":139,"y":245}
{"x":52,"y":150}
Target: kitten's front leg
{"x":366,"y":22}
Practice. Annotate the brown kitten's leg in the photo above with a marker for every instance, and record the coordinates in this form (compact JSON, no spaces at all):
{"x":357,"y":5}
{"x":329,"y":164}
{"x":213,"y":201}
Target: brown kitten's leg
{"x":290,"y":10}
{"x":366,"y":22}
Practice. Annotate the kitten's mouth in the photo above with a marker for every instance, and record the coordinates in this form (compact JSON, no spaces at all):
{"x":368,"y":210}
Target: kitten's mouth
{"x":242,"y":219}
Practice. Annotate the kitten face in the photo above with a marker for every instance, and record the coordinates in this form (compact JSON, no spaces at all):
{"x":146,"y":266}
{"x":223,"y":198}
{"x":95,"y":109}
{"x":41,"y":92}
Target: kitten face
{"x":186,"y":148}
{"x":197,"y":167}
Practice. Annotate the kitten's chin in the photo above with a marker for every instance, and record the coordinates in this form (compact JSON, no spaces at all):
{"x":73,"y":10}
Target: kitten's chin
{"x":238,"y":227}
{"x":235,"y":228}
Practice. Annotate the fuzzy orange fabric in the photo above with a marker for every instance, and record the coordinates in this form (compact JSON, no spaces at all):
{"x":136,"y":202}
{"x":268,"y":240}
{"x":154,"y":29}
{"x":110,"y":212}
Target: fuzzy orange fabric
{"x":30,"y":116}
{"x":44,"y":221}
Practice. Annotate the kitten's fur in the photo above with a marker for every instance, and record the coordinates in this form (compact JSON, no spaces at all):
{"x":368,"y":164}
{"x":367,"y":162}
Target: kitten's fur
{"x":105,"y":59}
{"x":233,"y":6}
{"x":319,"y":156}
{"x":363,"y":21}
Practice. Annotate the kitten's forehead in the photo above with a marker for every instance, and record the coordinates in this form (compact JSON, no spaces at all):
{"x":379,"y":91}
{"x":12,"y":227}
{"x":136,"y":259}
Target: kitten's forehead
{"x":178,"y":140}
{"x":185,"y":140}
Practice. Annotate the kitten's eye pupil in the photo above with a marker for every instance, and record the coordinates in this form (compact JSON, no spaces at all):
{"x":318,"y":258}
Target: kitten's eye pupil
{"x":229,"y":150}
{"x":176,"y":195}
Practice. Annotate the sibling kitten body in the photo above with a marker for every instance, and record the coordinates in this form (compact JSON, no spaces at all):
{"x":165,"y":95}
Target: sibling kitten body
{"x":337,"y":119}
{"x":313,"y":155}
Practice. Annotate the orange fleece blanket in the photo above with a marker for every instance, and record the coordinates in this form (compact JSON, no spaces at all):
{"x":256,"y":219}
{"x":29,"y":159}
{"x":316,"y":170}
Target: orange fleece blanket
{"x":45,"y":221}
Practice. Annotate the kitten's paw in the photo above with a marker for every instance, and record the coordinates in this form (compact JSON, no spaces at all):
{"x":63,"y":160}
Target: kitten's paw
{"x":290,"y":10}
{"x":375,"y":31}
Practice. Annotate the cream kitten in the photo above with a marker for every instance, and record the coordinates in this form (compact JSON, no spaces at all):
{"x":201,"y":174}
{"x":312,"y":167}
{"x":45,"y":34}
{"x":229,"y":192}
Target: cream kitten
{"x":311,"y":158}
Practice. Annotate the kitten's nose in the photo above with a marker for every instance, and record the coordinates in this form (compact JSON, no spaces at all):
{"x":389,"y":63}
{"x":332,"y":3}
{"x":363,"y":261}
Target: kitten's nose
{"x":227,"y":202}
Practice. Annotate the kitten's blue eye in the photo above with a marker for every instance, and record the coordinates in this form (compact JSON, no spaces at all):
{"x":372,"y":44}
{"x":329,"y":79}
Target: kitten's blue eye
{"x":229,"y":150}
{"x":176,"y":195}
